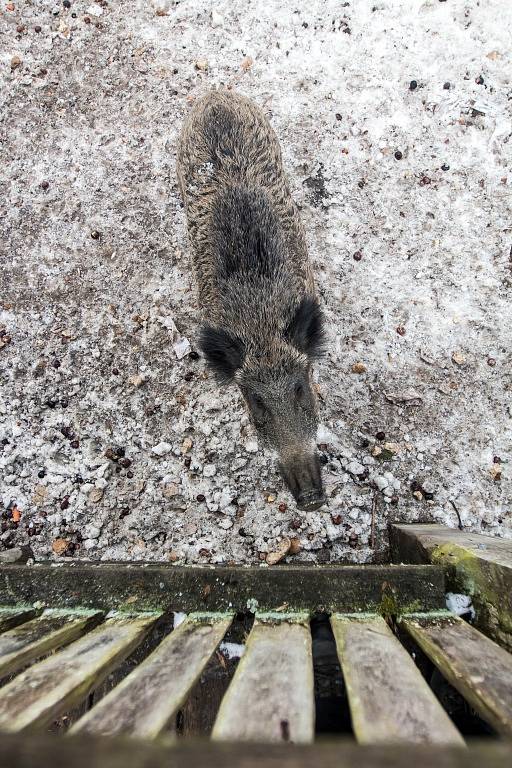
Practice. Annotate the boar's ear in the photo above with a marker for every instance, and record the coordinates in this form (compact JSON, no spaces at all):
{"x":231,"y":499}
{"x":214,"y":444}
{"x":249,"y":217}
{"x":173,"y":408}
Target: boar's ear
{"x":306,"y":328}
{"x":223,"y":351}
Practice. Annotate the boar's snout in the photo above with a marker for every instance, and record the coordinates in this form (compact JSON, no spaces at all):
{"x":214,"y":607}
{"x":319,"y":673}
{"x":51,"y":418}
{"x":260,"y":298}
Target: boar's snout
{"x":303,"y":477}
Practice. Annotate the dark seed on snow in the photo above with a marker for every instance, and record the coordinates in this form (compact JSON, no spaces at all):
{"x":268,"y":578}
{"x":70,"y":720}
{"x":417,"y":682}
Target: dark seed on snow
{"x":115,"y":371}
{"x":66,"y":3}
{"x":398,"y":155}
{"x":64,"y":402}
{"x":380,"y":436}
{"x":45,"y":184}
{"x":79,"y":480}
{"x":124,"y":512}
{"x":75,"y":443}
{"x":125,"y":463}
{"x":200,"y":498}
{"x":447,"y":86}
{"x":95,"y":235}
{"x":413,"y":85}
{"x":41,"y":473}
{"x":400,"y":330}
{"x":357,"y":256}
{"x":65,"y":502}
{"x":129,"y":474}
{"x":496,"y":460}
{"x":37,"y":28}
{"x":445,"y":167}
{"x":338,"y":116}
{"x":491,"y":361}
{"x":56,"y":363}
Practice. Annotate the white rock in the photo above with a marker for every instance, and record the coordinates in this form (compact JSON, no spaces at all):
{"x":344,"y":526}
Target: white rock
{"x":90,"y":543}
{"x":226,"y":523}
{"x":209,"y":470}
{"x":459,"y":604}
{"x":389,"y":490}
{"x":162,"y":449}
{"x":217,"y":19}
{"x":251,"y":446}
{"x":92,"y":532}
{"x":355,"y":468}
{"x":369,"y":461}
{"x":181,"y":347}
{"x":380,"y":482}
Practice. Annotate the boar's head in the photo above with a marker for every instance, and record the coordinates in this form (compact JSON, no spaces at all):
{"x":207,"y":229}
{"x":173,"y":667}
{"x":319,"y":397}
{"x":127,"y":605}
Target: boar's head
{"x":272,"y":367}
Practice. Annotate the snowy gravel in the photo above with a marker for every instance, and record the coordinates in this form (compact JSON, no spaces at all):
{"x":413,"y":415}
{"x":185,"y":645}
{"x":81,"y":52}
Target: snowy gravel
{"x":395,"y":124}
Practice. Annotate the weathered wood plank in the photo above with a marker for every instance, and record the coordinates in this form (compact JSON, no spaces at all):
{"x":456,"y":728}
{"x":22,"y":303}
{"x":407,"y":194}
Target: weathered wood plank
{"x":477,"y":565}
{"x":135,"y":587}
{"x":388,"y":697}
{"x":145,"y":702}
{"x":271,"y":696}
{"x":11,"y":617}
{"x":53,"y":629}
{"x":479,"y":669}
{"x":43,"y":751}
{"x":61,"y":681}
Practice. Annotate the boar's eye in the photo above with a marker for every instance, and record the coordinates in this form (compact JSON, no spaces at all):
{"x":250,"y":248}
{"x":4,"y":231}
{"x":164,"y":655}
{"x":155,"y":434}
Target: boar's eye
{"x":258,"y":406}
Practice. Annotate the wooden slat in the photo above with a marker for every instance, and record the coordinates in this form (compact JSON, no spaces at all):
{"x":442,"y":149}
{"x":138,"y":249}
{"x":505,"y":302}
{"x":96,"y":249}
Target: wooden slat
{"x":271,"y":695}
{"x":475,"y":665}
{"x":476,"y":565}
{"x":11,"y":617}
{"x":63,"y":680}
{"x":53,"y":629}
{"x":145,"y":702}
{"x":166,"y":587}
{"x":388,"y":697}
{"x":83,"y":751}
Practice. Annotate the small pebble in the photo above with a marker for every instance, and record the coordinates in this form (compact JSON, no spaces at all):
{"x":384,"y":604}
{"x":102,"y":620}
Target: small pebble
{"x":398,"y":155}
{"x":413,"y":85}
{"x":359,"y":368}
{"x":357,"y":256}
{"x":491,"y":361}
{"x":445,"y":167}
{"x":95,"y":235}
{"x":15,"y":62}
{"x":209,"y":470}
{"x":447,"y":86}
{"x":380,"y":436}
{"x":282,"y":507}
{"x":75,"y":444}
{"x":401,"y":330}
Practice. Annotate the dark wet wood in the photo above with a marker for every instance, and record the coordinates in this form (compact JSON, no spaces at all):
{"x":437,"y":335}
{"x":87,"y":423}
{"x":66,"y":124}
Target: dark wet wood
{"x":389,"y":699}
{"x":146,"y":701}
{"x":11,"y":617}
{"x":87,"y":752}
{"x":479,"y":669}
{"x":33,"y":639}
{"x":58,"y":683}
{"x":271,"y":696}
{"x":378,"y":588}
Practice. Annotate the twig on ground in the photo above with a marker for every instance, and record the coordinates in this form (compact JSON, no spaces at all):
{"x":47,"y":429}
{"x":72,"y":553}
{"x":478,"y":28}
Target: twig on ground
{"x":460,"y":526}
{"x":372,"y":533}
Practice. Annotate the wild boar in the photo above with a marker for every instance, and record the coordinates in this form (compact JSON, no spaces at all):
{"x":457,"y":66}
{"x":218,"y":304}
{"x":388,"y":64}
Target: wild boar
{"x":262,"y":323}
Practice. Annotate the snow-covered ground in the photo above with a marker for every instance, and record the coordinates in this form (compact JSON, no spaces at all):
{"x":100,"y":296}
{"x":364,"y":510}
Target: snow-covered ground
{"x":113,"y":444}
